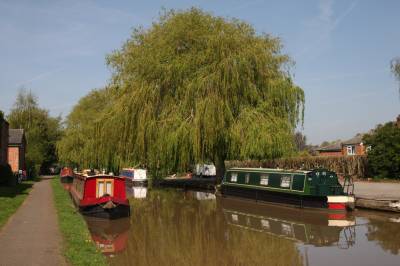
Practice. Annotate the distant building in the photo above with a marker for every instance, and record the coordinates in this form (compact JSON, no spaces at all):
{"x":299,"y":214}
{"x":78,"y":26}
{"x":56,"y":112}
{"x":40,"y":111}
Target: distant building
{"x":16,"y":149}
{"x":353,"y":146}
{"x":331,"y":150}
{"x":3,"y":141}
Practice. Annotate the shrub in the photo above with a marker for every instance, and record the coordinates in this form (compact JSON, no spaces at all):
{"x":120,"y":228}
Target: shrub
{"x":355,"y":166}
{"x":384,"y":156}
{"x":6,"y":174}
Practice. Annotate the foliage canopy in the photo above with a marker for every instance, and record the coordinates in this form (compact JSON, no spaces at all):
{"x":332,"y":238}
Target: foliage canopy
{"x":384,"y":156}
{"x":41,"y":130}
{"x":193,"y":87}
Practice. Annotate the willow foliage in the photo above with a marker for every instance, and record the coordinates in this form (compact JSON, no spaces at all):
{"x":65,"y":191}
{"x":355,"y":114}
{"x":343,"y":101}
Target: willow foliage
{"x":195,"y":87}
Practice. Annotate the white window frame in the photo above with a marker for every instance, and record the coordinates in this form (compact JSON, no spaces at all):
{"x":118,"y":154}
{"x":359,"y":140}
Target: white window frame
{"x":351,"y":149}
{"x":247,"y":178}
{"x":264,"y":179}
{"x":234,"y":177}
{"x":286,"y":181}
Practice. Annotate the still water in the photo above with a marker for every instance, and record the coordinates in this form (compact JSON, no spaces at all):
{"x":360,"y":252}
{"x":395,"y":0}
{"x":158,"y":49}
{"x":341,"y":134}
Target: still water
{"x":177,"y":227}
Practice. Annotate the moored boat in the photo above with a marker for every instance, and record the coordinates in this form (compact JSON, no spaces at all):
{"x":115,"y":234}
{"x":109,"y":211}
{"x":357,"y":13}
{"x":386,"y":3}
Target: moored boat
{"x":134,"y":176}
{"x":317,"y":188}
{"x":100,"y":195}
{"x":66,"y":175}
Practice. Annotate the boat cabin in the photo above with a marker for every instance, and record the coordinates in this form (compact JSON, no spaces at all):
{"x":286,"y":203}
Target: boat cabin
{"x":100,"y":195}
{"x":316,"y":187}
{"x":135,"y":176}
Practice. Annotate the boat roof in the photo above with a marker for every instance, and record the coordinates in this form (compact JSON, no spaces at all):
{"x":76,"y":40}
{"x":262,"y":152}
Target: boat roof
{"x":86,"y":176}
{"x":275,"y":170}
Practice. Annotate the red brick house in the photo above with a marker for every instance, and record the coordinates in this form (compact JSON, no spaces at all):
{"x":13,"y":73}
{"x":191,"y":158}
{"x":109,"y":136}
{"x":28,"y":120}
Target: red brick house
{"x":3,"y":141}
{"x":353,"y":146}
{"x":330,"y":150}
{"x":16,"y":149}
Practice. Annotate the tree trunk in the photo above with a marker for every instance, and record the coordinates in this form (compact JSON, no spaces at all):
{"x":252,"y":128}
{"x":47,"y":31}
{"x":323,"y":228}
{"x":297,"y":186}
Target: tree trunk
{"x":220,"y":167}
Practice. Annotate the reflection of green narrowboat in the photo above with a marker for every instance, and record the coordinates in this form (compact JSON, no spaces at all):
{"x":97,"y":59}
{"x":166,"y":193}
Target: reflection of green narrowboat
{"x":309,"y":227}
{"x":318,"y":188}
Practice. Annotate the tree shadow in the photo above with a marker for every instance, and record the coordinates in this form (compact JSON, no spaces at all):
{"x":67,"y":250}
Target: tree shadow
{"x":13,"y":191}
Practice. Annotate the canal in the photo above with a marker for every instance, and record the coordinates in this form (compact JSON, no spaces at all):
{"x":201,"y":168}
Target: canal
{"x":177,"y":227}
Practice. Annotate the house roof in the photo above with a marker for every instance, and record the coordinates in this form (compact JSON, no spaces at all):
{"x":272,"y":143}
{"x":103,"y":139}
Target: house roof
{"x":15,"y":136}
{"x":333,"y":147}
{"x":356,"y":140}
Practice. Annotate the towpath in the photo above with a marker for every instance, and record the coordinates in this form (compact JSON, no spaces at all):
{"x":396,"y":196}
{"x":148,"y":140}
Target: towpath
{"x":31,"y":236}
{"x":374,"y":190}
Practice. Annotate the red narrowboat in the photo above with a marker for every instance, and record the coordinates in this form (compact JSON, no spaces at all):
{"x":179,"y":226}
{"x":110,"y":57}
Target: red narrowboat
{"x":100,"y":195}
{"x":66,"y":175}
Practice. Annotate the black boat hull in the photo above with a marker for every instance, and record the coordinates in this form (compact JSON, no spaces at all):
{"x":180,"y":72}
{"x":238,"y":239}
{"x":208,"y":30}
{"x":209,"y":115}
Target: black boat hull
{"x":66,"y":179}
{"x":275,"y":197}
{"x":119,"y":211}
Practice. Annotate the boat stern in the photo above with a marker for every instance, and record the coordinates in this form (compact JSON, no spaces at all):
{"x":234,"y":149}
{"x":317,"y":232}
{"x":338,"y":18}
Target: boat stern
{"x":343,"y":202}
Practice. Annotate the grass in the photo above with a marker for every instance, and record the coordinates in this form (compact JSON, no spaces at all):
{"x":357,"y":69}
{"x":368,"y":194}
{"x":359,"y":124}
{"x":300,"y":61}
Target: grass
{"x":11,"y":198}
{"x":78,"y":247}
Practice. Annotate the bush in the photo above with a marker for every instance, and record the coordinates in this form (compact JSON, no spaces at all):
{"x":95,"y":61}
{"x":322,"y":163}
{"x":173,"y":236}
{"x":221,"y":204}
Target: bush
{"x":355,"y":166}
{"x":6,"y":174}
{"x":384,"y":156}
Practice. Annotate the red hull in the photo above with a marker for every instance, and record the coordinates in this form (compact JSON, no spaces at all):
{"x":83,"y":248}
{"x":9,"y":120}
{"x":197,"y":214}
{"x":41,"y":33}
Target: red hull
{"x":100,"y":195}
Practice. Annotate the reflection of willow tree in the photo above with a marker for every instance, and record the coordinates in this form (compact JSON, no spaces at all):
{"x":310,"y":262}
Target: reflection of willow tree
{"x":386,"y":234}
{"x":172,"y":228}
{"x":194,"y":87}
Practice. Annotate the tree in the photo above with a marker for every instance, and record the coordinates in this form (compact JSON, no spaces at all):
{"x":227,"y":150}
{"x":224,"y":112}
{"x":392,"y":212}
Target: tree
{"x":41,"y":130}
{"x":195,"y":88}
{"x":395,"y":67}
{"x":300,"y":141}
{"x":384,"y":156}
{"x":80,"y":141}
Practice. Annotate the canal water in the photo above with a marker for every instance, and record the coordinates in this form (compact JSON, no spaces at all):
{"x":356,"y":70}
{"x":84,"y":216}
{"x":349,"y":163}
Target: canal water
{"x":177,"y":227}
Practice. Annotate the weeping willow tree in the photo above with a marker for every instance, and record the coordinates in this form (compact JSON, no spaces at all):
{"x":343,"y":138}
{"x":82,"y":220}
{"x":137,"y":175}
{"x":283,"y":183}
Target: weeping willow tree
{"x":197,"y":88}
{"x":395,"y":67}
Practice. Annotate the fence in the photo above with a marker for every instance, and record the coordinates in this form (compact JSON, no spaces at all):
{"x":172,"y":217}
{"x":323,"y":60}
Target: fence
{"x":355,"y":166}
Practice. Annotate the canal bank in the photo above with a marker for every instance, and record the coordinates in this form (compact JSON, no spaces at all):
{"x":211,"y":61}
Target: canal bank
{"x":31,"y":236}
{"x":77,"y":246}
{"x":377,"y":196}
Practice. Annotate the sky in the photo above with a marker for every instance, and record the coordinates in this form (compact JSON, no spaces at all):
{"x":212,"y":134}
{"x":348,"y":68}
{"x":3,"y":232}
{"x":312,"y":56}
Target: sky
{"x":342,"y":51}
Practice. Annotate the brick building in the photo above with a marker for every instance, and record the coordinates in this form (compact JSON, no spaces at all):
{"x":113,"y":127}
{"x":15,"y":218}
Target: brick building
{"x":3,"y":141}
{"x":16,"y":149}
{"x":353,"y":146}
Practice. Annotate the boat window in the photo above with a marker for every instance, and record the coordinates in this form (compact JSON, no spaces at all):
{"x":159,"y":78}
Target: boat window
{"x":285,"y":181}
{"x":247,"y":178}
{"x":104,"y":186}
{"x":264,"y":180}
{"x":234,"y":177}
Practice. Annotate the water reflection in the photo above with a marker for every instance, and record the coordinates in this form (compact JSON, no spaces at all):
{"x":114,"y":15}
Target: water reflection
{"x":177,"y":227}
{"x":137,"y":192}
{"x":110,"y":236}
{"x":308,"y":227}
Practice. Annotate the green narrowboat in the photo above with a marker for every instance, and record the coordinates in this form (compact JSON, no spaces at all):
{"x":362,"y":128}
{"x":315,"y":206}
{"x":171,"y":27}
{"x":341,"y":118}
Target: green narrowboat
{"x":319,"y":188}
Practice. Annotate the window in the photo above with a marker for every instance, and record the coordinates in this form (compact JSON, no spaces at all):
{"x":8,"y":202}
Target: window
{"x":247,"y":178}
{"x":368,"y":148}
{"x":264,"y":180}
{"x":351,"y":150}
{"x":285,"y":181}
{"x":233,"y":177}
{"x":104,"y":186}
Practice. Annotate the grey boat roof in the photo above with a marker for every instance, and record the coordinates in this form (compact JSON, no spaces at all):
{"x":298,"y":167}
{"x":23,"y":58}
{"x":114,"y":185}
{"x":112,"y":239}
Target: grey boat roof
{"x":278,"y":170}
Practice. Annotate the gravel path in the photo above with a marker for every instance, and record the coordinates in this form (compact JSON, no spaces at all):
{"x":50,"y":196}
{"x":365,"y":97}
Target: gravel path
{"x":372,"y":190}
{"x":31,"y":236}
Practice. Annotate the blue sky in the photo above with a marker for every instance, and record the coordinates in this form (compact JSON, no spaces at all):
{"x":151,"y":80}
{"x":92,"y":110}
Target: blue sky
{"x":342,"y":51}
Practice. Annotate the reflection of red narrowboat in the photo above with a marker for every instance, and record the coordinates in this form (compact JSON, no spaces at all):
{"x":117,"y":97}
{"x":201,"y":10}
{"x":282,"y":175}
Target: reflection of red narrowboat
{"x":111,"y":237}
{"x":66,"y":175}
{"x":100,"y":195}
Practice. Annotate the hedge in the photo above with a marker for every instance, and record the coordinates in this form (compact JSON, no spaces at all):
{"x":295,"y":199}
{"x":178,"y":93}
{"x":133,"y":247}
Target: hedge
{"x":355,"y":166}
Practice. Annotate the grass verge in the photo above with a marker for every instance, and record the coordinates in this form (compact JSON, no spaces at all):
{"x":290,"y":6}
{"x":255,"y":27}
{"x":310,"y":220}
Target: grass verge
{"x":78,"y":247}
{"x":11,"y":198}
